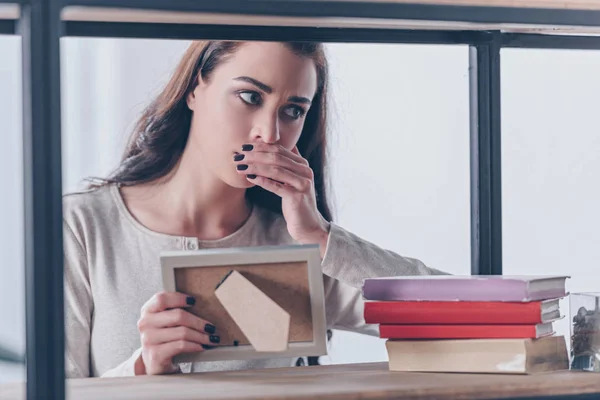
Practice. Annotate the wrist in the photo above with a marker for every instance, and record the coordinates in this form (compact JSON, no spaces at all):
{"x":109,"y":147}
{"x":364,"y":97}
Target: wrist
{"x":319,"y":236}
{"x":322,"y":237}
{"x":325,"y":240}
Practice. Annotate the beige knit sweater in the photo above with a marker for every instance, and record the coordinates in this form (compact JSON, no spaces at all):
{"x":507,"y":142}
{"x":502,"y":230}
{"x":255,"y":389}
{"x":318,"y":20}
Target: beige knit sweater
{"x":112,"y":268}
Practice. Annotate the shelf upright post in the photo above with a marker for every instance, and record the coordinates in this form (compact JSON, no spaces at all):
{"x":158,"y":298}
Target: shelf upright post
{"x":40,"y":28}
{"x":486,"y":184}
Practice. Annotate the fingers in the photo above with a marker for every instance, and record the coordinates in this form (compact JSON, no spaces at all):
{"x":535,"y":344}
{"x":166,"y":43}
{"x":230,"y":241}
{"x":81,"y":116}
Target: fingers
{"x":173,"y":318}
{"x":275,"y":158}
{"x":166,"y":300}
{"x":166,"y":330}
{"x":278,"y":188}
{"x":274,"y":162}
{"x":158,"y":359}
{"x":169,"y":350}
{"x":153,"y":337}
{"x":277,"y":173}
{"x":260,"y":147}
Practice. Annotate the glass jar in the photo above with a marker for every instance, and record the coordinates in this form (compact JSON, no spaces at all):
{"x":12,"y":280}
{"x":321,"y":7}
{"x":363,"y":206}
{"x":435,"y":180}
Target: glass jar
{"x":585,"y":331}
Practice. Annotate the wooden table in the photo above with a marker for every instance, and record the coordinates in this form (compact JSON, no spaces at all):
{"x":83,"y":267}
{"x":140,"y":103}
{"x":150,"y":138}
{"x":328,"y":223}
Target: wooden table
{"x":9,"y":11}
{"x":352,"y":381}
{"x":120,"y":15}
{"x":103,"y":14}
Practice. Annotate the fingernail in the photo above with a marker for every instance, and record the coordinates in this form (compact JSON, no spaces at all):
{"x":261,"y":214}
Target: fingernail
{"x":209,"y":328}
{"x":207,"y":347}
{"x":247,"y":147}
{"x":251,"y":176}
{"x":239,"y":157}
{"x":215,"y":339}
{"x":190,"y":301}
{"x":236,"y":343}
{"x":242,"y":167}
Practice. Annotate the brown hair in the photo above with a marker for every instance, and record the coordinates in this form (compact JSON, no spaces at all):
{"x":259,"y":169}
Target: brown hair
{"x":159,"y":137}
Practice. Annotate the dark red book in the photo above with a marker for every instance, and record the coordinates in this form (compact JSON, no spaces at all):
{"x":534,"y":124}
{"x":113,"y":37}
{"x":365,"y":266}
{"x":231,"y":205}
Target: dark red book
{"x":459,"y":312}
{"x":465,"y":331}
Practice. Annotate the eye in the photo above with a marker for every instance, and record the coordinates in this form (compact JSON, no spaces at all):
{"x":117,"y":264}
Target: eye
{"x":294,"y":112}
{"x":250,"y":97}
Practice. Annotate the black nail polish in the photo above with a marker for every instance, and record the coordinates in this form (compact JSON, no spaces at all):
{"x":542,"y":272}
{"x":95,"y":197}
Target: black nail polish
{"x":207,"y":347}
{"x":209,"y":328}
{"x":251,"y":176}
{"x":215,"y":339}
{"x":239,"y":157}
{"x":236,"y":343}
{"x":190,"y":301}
{"x":247,"y":147}
{"x":242,"y":167}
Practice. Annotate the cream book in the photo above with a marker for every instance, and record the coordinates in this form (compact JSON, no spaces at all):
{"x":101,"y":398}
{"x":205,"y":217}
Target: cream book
{"x":498,"y":356}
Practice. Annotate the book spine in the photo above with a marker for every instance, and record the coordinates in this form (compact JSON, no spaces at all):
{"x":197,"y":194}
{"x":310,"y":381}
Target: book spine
{"x":457,"y":331}
{"x":399,"y":290}
{"x":454,"y":290}
{"x":419,"y":312}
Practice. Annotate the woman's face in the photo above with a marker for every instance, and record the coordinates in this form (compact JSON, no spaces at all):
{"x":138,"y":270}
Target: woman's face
{"x":262,"y":93}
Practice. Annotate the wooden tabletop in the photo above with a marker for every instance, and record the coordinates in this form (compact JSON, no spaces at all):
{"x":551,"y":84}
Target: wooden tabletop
{"x":103,"y":14}
{"x":9,"y":11}
{"x":352,"y":381}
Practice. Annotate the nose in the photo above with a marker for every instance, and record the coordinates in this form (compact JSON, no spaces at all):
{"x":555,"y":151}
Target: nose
{"x":266,"y":129}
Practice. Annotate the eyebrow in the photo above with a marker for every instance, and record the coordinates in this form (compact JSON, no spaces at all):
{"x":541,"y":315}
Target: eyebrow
{"x":262,"y":86}
{"x":268,"y":89}
{"x":297,"y":99}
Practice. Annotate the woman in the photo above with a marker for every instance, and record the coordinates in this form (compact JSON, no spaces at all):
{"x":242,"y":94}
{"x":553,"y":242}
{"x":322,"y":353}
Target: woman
{"x":230,"y":153}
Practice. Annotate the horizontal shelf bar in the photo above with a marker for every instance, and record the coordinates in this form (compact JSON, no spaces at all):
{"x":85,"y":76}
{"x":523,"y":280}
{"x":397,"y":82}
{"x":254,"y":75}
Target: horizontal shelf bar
{"x":267,"y":33}
{"x":325,"y":35}
{"x":7,"y":27}
{"x":9,"y":14}
{"x":551,"y":12}
{"x":534,"y":41}
{"x":82,"y":14}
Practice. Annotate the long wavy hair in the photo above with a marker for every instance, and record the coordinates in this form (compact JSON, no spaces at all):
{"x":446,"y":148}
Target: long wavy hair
{"x":160,"y":135}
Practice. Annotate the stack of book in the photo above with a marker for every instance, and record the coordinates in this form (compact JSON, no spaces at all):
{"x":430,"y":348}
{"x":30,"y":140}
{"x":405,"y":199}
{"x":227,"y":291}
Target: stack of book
{"x":471,"y":324}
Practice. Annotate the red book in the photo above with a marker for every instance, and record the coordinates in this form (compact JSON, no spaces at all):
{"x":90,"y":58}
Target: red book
{"x":460,"y":312}
{"x":465,"y":331}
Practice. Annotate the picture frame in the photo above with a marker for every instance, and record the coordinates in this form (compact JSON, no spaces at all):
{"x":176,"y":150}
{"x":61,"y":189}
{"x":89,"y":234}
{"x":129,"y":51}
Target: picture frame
{"x":291,"y":275}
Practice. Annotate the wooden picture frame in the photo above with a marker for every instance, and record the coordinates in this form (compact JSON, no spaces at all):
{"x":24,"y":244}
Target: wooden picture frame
{"x":290,"y":275}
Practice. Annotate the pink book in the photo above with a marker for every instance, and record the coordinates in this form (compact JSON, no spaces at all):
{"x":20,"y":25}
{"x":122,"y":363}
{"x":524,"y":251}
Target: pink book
{"x":515,"y":288}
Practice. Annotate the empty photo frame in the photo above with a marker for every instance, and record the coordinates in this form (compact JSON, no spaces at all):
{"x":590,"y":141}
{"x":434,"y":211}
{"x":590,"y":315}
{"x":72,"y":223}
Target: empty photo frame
{"x":289,"y":275}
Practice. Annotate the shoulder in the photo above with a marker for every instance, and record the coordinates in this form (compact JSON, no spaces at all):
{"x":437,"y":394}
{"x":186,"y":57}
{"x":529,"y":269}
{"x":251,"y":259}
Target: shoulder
{"x":92,"y":200}
{"x":86,"y":208}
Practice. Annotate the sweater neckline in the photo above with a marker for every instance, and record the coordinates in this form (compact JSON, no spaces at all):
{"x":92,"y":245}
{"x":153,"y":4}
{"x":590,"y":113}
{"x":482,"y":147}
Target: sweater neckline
{"x":124,"y":211}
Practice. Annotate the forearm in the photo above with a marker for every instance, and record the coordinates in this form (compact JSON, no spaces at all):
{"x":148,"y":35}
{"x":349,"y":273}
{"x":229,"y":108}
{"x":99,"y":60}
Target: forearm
{"x":350,"y":259}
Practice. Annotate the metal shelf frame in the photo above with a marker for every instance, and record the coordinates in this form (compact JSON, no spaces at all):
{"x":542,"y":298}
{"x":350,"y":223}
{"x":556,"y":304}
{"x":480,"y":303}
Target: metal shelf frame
{"x":41,"y":28}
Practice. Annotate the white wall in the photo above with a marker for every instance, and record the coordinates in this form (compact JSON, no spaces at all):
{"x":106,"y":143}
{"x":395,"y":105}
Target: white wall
{"x":551,"y":166}
{"x":105,"y":85}
{"x":12,"y":280}
{"x":400,"y":155}
{"x":401,"y":159}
